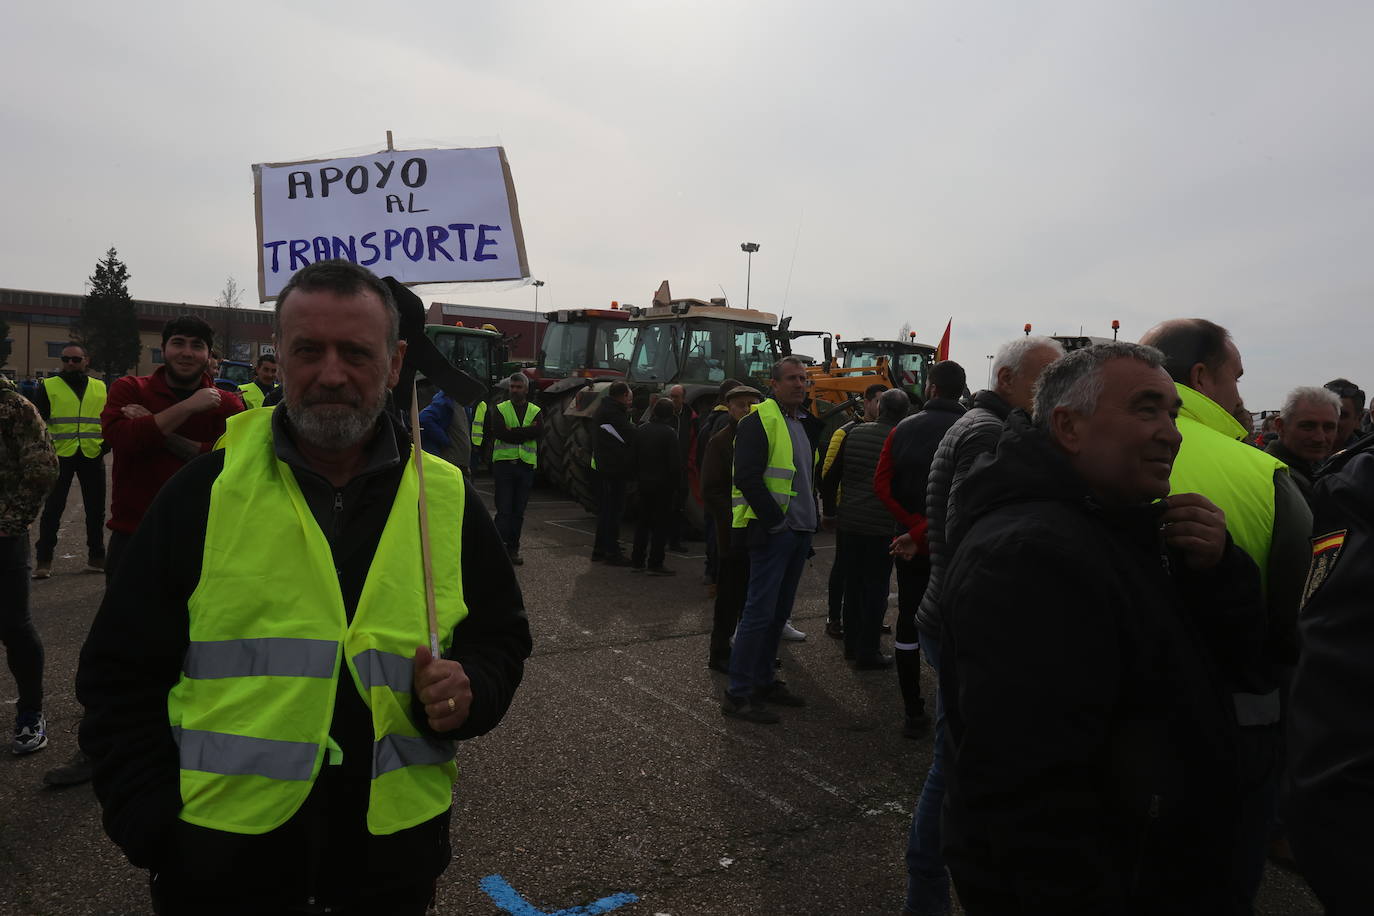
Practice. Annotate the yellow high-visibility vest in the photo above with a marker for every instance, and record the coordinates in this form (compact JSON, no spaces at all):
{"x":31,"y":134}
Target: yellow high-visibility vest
{"x":252,"y":394}
{"x":269,"y":639}
{"x":780,"y":471}
{"x":75,"y":422}
{"x":479,"y":422}
{"x":527,"y":452}
{"x":1239,"y":478}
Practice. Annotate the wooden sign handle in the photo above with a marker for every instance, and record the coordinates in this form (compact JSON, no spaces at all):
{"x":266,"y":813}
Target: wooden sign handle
{"x":424,"y":520}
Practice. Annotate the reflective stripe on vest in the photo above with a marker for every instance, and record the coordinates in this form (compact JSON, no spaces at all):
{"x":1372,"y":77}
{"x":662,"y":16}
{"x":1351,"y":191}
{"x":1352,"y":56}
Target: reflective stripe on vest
{"x":1239,"y":478}
{"x":269,"y":639}
{"x":527,"y":452}
{"x":780,"y":470}
{"x":479,"y":423}
{"x":75,"y":423}
{"x":252,"y":394}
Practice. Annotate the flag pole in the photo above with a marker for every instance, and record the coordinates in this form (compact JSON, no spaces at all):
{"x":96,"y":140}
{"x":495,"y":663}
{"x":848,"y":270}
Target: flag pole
{"x":424,"y":519}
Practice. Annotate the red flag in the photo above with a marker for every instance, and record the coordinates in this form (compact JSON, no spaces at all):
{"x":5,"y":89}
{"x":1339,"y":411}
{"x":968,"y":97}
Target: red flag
{"x":942,"y":351}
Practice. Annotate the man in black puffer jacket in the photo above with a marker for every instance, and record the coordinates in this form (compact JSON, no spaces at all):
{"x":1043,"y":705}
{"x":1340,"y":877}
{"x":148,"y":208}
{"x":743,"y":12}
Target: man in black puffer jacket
{"x":1088,"y":632}
{"x":1015,"y":368}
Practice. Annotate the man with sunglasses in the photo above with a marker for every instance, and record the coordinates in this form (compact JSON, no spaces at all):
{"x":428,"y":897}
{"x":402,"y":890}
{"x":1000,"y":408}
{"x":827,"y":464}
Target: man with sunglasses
{"x":70,"y":403}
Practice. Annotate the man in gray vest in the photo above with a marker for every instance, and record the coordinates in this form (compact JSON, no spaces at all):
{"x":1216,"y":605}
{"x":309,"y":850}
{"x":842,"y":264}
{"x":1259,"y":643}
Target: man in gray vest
{"x":867,"y":528}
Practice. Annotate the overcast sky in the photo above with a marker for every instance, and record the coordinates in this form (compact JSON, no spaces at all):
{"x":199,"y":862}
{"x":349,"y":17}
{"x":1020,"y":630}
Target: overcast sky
{"x":1062,"y":163}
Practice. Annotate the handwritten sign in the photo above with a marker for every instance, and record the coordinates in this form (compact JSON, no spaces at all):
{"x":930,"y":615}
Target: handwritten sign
{"x":510,"y":901}
{"x":421,"y":216}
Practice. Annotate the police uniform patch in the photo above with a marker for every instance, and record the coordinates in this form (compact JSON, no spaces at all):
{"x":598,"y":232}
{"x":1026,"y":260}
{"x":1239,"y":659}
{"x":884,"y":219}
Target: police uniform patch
{"x":1326,"y":549}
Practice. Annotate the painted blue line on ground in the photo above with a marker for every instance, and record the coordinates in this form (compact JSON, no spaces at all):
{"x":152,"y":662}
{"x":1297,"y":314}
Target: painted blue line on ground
{"x":509,"y":900}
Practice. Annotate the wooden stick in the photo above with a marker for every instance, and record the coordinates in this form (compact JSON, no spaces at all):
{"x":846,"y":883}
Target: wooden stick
{"x":424,"y":520}
{"x":389,"y":147}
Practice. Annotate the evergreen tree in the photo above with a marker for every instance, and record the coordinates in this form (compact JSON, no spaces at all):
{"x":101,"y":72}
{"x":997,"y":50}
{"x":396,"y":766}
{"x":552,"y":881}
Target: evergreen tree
{"x":109,"y":325}
{"x":4,"y":340}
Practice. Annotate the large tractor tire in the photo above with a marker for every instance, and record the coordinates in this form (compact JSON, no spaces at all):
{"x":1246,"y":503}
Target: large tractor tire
{"x":578,"y":463}
{"x":553,"y":448}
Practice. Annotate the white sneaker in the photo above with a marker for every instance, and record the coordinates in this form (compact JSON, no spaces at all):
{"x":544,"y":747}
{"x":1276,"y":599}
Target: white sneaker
{"x":791,"y":633}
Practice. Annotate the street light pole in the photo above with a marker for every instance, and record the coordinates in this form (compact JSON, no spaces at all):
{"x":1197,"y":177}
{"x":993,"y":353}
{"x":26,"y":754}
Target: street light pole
{"x":748,"y":248}
{"x":989,"y":370}
{"x":537,"y":284}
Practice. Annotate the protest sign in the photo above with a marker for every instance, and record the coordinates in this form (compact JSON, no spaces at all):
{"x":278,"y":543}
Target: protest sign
{"x":421,"y":216}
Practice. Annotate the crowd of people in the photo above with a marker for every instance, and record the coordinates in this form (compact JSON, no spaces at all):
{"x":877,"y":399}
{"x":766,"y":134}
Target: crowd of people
{"x":1130,"y":602}
{"x":1147,"y":621}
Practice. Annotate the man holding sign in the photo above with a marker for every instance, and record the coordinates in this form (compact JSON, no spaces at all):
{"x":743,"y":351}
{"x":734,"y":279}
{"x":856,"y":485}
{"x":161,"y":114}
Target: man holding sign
{"x":268,"y":731}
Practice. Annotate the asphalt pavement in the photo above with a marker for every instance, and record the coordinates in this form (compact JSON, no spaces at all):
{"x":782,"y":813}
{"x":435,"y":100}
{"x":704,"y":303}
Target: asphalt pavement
{"x":613,"y":785}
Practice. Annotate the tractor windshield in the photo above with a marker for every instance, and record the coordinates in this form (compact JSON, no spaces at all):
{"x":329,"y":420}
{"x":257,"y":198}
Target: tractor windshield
{"x":613,"y":345}
{"x":655,"y":353}
{"x":755,"y":354}
{"x":467,"y":352}
{"x":863,"y":359}
{"x":910,"y":370}
{"x":564,"y":348}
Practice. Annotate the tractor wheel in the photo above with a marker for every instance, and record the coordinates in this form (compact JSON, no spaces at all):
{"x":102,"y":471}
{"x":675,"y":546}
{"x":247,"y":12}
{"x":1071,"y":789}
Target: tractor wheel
{"x":553,"y":452}
{"x":578,"y":463}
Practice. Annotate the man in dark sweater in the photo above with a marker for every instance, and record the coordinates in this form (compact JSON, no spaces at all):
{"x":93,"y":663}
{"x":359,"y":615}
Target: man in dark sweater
{"x":613,"y":467}
{"x":266,"y":736}
{"x":900,"y":482}
{"x":658,"y":464}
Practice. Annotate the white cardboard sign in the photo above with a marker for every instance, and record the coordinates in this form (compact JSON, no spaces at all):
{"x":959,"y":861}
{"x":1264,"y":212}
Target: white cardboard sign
{"x":421,"y":216}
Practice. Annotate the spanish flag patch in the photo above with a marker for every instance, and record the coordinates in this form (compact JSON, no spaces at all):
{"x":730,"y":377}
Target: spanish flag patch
{"x":1326,"y":549}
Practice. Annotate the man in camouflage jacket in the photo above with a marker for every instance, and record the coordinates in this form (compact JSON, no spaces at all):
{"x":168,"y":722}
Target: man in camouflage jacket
{"x":28,"y":467}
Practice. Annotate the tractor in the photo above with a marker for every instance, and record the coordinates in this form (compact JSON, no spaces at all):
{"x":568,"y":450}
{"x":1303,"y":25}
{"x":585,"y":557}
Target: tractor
{"x":695,"y":343}
{"x":580,"y":346}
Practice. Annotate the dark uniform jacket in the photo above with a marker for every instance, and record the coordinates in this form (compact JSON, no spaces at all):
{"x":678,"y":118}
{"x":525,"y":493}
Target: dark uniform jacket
{"x":613,"y":441}
{"x":133,"y":657}
{"x":657,"y":456}
{"x":1329,"y":809}
{"x":1091,"y":737}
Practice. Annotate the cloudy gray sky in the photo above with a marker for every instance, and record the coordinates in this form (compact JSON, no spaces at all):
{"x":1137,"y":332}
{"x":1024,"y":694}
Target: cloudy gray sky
{"x":1062,"y":163}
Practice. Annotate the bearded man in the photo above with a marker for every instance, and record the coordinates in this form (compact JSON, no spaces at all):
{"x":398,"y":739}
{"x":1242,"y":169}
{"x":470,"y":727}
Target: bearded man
{"x":268,"y":731}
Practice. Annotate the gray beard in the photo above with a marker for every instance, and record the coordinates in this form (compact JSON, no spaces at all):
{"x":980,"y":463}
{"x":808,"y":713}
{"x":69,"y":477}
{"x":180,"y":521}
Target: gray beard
{"x":335,"y":426}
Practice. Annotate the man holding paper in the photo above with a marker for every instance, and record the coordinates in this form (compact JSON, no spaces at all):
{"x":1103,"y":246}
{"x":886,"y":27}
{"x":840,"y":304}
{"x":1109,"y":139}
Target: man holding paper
{"x":268,"y":731}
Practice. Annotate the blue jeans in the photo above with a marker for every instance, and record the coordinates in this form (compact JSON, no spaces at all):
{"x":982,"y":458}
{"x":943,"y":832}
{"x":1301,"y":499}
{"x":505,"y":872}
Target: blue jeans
{"x":774,"y":571}
{"x":927,"y":888}
{"x":513,"y":481}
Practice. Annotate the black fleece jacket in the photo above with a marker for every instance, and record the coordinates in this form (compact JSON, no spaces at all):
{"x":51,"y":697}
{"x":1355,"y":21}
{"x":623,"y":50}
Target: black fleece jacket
{"x":1091,"y":735}
{"x":133,"y":657}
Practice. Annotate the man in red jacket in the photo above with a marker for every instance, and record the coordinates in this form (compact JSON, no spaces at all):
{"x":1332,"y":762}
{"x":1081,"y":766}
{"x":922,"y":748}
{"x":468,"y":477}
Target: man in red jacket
{"x":154,"y":424}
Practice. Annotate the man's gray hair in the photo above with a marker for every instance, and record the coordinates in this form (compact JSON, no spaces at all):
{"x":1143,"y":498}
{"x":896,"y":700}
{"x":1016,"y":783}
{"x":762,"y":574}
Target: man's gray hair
{"x":1075,"y":382}
{"x":893,"y":404}
{"x":1308,"y":395}
{"x":518,"y":377}
{"x":1013,"y":353}
{"x":785,"y":361}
